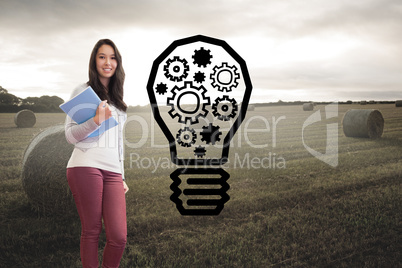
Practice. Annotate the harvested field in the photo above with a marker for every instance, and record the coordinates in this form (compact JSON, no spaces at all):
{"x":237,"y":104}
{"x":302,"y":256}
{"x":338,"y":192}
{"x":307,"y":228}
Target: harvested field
{"x":286,"y":208}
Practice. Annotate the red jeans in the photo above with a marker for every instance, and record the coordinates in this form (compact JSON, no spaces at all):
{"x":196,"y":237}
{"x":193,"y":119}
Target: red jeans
{"x":99,"y":194}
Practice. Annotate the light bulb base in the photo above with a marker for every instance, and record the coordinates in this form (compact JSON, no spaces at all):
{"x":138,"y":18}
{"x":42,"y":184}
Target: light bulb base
{"x":199,"y":191}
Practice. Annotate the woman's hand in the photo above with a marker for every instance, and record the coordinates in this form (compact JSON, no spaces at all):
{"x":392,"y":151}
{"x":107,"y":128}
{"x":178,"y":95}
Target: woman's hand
{"x":103,"y":113}
{"x":125,"y":187}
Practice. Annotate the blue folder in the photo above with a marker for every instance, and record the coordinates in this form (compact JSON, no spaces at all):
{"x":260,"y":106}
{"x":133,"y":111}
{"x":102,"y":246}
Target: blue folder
{"x":83,"y":107}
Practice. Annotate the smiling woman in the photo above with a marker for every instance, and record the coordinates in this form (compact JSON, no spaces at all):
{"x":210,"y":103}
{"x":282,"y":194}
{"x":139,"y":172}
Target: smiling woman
{"x":95,"y":170}
{"x":106,"y":63}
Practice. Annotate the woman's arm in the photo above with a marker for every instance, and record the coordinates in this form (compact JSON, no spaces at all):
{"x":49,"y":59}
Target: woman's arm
{"x":77,"y":132}
{"x":122,"y":120}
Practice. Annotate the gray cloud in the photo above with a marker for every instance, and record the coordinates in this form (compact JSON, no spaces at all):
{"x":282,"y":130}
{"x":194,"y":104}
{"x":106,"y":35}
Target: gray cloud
{"x":60,"y":35}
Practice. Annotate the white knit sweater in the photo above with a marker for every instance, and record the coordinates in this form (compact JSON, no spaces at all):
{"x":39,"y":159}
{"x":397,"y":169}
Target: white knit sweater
{"x":105,"y":151}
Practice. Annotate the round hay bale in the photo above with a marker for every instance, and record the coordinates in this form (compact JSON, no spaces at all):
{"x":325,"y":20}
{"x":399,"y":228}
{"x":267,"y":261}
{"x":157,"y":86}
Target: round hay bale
{"x":44,"y":172}
{"x":25,"y":118}
{"x":308,"y":106}
{"x":364,"y":123}
{"x":398,"y":103}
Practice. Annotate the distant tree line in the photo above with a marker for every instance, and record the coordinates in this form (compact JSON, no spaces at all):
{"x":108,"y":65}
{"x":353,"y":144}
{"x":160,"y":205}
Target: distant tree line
{"x":10,"y":103}
{"x":139,"y":109}
{"x":284,"y":103}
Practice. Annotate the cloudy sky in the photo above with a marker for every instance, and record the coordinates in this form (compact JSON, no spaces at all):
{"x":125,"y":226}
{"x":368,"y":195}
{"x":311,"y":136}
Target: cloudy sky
{"x":295,"y":50}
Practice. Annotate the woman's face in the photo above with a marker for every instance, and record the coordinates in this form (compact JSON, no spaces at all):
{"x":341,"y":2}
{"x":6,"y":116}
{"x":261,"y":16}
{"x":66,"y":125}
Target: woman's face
{"x":106,"y":63}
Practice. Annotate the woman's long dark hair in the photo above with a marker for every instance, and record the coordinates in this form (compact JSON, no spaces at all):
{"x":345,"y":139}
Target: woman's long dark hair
{"x":115,"y":93}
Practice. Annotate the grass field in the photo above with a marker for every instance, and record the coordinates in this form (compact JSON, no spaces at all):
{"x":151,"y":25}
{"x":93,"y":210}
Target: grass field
{"x":286,"y":209}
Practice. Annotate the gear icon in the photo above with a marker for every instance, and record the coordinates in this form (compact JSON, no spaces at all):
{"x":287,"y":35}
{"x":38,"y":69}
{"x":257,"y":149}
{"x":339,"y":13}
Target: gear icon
{"x":200,"y":151}
{"x":188,"y":103}
{"x":202,"y":57}
{"x":199,"y":77}
{"x":161,"y":88}
{"x":210,"y":134}
{"x":176,"y":69}
{"x":186,"y":136}
{"x":224,"y":108}
{"x":225,"y":77}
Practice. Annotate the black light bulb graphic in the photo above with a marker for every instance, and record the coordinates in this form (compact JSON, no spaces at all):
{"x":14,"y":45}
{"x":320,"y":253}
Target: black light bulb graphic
{"x":199,"y":89}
